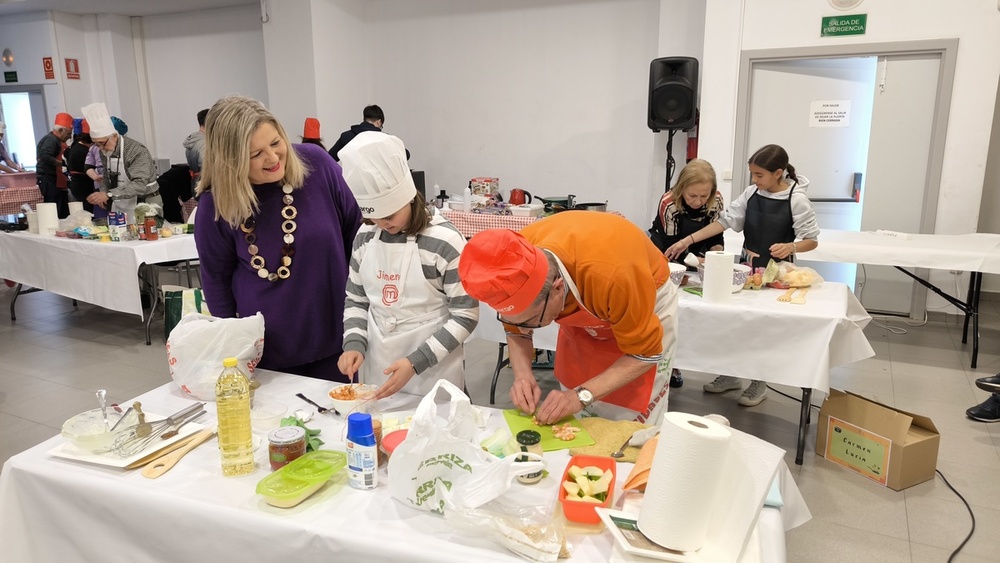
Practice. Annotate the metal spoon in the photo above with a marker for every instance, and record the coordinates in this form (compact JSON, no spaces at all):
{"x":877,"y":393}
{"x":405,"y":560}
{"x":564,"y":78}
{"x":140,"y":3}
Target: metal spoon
{"x":322,"y":410}
{"x":177,"y":429}
{"x":621,"y":451}
{"x":102,"y":399}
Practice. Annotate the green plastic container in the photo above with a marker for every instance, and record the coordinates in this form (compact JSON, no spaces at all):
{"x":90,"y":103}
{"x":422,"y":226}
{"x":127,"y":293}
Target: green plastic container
{"x":296,"y":481}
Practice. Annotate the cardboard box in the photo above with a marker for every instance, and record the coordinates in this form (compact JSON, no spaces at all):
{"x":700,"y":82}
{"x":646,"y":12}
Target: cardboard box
{"x":485,"y":186}
{"x":892,"y":447}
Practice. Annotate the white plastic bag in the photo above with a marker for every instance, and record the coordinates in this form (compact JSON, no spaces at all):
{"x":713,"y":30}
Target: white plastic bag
{"x":199,"y":343}
{"x":439,"y":465}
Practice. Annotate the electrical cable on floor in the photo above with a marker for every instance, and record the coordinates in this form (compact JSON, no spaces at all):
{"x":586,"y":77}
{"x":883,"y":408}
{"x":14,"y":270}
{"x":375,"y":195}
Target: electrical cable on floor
{"x":971,"y":515}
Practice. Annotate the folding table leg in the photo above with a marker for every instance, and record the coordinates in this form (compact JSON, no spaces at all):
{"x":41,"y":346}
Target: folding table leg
{"x":501,"y":363}
{"x":13,"y":300}
{"x":154,"y":297}
{"x":803,"y":424}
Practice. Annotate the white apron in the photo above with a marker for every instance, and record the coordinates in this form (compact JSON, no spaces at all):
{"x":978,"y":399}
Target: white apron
{"x":404,"y":311}
{"x":127,"y":205}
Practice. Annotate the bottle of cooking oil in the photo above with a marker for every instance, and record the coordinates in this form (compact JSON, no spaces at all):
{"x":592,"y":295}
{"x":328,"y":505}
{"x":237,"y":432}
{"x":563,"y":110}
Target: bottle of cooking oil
{"x":232,"y":398}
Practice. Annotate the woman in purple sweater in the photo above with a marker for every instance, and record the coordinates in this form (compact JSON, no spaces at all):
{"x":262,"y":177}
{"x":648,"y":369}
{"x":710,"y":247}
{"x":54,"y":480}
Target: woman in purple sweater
{"x":274,"y":233}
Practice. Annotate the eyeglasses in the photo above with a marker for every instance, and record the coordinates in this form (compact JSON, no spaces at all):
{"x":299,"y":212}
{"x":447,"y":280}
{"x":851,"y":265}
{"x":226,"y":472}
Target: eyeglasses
{"x":537,"y":324}
{"x":104,"y":143}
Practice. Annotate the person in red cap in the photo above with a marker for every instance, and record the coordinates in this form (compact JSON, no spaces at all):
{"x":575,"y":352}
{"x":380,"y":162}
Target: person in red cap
{"x":49,"y":169}
{"x":310,"y":132}
{"x":607,"y":286}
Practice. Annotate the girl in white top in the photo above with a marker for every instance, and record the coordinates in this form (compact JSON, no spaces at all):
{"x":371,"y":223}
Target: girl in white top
{"x":777,"y":220}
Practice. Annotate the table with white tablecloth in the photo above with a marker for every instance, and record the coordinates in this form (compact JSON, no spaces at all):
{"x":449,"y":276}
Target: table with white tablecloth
{"x":101,"y":273}
{"x":977,"y":253}
{"x":755,"y":336}
{"x":53,"y":509}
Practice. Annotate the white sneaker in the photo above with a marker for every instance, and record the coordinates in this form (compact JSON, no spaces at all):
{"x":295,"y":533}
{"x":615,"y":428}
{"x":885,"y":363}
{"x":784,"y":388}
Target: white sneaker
{"x":753,"y":395}
{"x":723,"y":383}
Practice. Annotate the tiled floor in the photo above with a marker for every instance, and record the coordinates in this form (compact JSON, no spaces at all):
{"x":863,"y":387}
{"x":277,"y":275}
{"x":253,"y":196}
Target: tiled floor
{"x":55,"y":356}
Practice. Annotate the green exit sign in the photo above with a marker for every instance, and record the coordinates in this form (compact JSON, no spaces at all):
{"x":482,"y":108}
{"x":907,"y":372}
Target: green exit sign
{"x":10,"y":76}
{"x":844,"y":25}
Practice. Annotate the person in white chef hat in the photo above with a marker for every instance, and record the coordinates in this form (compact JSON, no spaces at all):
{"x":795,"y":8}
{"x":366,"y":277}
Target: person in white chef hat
{"x":407,"y":315}
{"x":130,"y":173}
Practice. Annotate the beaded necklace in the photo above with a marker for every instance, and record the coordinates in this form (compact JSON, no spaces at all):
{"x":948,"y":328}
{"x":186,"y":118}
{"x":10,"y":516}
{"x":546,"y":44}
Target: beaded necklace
{"x":288,"y":212}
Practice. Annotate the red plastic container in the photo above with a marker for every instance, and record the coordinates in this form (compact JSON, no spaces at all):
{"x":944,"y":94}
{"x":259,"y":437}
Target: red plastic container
{"x":580,"y":511}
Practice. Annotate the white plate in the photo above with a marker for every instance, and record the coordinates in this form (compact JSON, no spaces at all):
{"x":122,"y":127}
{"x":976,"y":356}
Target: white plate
{"x":67,"y":450}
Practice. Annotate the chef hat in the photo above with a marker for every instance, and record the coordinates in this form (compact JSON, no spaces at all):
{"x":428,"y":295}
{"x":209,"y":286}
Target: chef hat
{"x":77,"y":126}
{"x":99,"y":119}
{"x":501,"y":268}
{"x":64,"y":120}
{"x":375,"y":169}
{"x":85,"y":127}
{"x":311,"y":129}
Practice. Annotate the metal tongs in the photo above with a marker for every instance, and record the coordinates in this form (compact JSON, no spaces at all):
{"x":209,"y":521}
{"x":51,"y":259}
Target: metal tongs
{"x":134,"y":439}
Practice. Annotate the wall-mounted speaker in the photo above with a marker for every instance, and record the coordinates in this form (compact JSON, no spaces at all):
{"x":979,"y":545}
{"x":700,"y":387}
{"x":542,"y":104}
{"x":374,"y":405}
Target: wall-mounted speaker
{"x":673,"y":93}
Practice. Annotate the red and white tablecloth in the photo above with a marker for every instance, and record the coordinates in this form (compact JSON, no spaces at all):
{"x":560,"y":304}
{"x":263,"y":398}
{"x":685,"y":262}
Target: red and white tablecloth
{"x":471,"y":223}
{"x":11,"y":199}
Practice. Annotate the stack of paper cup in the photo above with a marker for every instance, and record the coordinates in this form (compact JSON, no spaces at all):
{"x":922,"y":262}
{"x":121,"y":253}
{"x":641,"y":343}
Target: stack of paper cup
{"x":48,"y":218}
{"x":32,"y":221}
{"x":75,"y":206}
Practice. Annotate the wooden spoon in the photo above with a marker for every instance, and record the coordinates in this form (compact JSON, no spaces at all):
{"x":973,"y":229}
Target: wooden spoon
{"x":162,"y":464}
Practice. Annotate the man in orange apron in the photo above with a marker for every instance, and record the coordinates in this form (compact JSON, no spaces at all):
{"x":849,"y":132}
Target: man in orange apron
{"x":607,"y":286}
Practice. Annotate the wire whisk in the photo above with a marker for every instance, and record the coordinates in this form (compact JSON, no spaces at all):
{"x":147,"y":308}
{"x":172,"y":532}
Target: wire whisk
{"x":134,"y":439}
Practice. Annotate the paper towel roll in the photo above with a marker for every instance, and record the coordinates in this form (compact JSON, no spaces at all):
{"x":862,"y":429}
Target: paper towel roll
{"x":680,"y":499}
{"x":75,"y":206}
{"x":48,"y":218}
{"x":718,"y":283}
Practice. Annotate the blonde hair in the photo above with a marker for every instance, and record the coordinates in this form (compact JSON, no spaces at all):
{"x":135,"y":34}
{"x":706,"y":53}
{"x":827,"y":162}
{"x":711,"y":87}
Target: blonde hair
{"x":696,"y":172}
{"x":225,"y":169}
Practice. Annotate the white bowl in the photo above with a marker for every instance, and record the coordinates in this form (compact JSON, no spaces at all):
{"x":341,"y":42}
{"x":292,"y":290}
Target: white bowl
{"x":363,"y":401}
{"x":677,"y":272}
{"x":88,"y":432}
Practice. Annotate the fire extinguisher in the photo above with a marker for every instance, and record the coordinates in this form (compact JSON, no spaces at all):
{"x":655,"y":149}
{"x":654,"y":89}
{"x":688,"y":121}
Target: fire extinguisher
{"x":692,"y":135}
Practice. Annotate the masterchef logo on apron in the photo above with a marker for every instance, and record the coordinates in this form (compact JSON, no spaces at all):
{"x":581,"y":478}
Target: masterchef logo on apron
{"x":390,"y":292}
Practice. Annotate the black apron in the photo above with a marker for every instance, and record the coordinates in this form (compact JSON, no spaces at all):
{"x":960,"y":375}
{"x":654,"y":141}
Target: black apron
{"x":768,"y":221}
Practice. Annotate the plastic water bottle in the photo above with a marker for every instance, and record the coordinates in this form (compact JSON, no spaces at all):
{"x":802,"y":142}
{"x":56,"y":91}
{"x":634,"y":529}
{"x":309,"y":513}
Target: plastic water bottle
{"x":362,"y":452}
{"x":467,"y":199}
{"x":232,"y":399}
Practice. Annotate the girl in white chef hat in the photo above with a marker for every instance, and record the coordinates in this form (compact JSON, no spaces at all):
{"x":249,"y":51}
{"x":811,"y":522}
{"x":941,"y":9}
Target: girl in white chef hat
{"x":407,"y":314}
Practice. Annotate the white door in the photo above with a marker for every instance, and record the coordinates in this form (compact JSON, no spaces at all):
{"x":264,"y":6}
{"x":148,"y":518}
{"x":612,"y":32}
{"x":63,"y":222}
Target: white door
{"x":890,"y":103}
{"x":785,"y":103}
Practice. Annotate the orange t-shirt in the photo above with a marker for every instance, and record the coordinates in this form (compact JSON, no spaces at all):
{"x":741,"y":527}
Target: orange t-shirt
{"x":616,"y":269}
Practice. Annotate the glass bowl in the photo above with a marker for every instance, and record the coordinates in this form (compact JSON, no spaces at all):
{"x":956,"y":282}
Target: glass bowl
{"x":87,"y":430}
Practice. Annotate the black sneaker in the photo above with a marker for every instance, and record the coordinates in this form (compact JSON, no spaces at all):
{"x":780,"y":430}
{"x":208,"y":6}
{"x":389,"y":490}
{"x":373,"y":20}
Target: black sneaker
{"x":991,"y":384}
{"x":676,"y":379}
{"x":987,"y":411}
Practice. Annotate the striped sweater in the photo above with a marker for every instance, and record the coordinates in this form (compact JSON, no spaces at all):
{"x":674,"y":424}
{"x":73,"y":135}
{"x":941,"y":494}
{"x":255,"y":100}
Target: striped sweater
{"x":439,"y":247}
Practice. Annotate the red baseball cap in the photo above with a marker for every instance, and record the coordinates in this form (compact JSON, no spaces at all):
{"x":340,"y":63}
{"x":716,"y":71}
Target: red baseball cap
{"x":503,"y":269}
{"x":64,"y":120}
{"x":311,"y":129}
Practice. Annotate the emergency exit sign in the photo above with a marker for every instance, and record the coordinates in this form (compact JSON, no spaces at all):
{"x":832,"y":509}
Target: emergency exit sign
{"x":10,"y":76}
{"x":844,"y":25}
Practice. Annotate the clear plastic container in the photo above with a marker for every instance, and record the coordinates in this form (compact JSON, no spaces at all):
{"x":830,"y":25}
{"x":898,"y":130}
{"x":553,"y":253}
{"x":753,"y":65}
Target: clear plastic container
{"x":232,"y":399}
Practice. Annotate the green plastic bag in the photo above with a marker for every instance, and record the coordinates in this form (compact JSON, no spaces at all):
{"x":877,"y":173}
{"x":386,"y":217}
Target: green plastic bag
{"x":177,"y":303}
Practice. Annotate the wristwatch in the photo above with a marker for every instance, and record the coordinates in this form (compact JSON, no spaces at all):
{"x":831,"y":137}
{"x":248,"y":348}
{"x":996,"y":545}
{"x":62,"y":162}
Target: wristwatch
{"x":585,"y":396}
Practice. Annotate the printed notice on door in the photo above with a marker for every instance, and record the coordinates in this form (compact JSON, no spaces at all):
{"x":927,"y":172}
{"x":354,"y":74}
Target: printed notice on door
{"x":827,"y":113}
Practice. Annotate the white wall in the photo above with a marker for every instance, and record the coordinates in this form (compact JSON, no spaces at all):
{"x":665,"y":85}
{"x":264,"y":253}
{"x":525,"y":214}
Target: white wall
{"x":71,"y":34}
{"x":30,"y":37}
{"x":195,"y":58}
{"x":989,"y":212}
{"x":291,"y":68}
{"x":549,"y":96}
{"x":343,"y":85}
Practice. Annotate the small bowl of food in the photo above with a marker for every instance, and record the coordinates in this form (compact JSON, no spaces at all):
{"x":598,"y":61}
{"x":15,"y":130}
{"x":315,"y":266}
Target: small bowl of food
{"x":88,"y":431}
{"x":677,"y":272}
{"x":352,"y":397}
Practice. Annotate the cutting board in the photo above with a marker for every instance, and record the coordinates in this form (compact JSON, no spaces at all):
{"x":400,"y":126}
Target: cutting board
{"x":518,"y":421}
